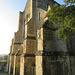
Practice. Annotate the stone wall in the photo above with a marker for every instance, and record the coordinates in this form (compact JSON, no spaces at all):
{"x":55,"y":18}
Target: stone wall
{"x":39,"y":65}
{"x":40,"y":10}
{"x":40,"y":39}
{"x":47,"y":42}
{"x":31,"y":28}
{"x":16,"y":65}
{"x":15,"y":44}
{"x":28,"y":11}
{"x":17,"y":56}
{"x":22,"y":65}
{"x":27,"y":65}
{"x":31,"y":51}
{"x":20,"y":22}
{"x":11,"y":65}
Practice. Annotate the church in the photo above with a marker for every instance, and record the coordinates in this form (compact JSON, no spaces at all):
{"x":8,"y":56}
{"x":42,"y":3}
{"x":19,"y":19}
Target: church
{"x":35,"y":48}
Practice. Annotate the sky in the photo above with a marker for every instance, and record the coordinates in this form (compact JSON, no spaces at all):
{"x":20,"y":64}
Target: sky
{"x":9,"y":12}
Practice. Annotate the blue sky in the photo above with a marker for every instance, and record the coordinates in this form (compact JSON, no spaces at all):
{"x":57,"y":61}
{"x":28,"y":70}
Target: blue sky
{"x":60,"y":1}
{"x":9,"y":11}
{"x":15,"y":4}
{"x":20,"y":4}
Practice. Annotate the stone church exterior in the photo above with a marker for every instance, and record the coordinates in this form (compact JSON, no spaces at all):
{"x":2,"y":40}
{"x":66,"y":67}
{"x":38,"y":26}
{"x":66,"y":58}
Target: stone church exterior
{"x":35,"y":48}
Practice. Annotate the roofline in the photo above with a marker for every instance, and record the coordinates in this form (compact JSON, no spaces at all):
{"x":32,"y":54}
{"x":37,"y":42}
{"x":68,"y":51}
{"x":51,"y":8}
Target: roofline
{"x":57,"y":3}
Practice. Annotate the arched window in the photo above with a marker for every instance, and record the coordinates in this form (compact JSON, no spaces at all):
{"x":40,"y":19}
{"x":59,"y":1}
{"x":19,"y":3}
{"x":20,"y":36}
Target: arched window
{"x":47,"y":6}
{"x":27,"y":18}
{"x":39,"y":16}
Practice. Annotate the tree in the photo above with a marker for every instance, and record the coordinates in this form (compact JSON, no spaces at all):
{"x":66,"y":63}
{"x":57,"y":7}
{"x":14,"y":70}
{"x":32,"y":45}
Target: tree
{"x":5,"y":57}
{"x":64,"y":16}
{"x":69,"y":1}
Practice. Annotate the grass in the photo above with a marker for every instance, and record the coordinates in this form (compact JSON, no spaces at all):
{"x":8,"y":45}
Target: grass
{"x":6,"y":74}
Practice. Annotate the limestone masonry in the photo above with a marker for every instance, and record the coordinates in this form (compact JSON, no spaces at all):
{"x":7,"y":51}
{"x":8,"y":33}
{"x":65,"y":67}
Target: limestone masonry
{"x":35,"y":48}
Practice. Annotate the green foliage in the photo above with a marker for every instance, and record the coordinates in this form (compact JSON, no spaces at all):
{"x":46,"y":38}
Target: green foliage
{"x":6,"y":74}
{"x":5,"y":57}
{"x":65,"y":18}
{"x":69,"y":1}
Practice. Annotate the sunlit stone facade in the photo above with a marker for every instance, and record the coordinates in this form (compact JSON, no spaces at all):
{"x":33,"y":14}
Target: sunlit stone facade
{"x":35,"y":48}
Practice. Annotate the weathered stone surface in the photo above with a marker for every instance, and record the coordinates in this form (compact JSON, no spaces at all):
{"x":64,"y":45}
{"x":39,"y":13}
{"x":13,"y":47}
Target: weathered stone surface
{"x":39,"y":68}
{"x":35,"y":48}
{"x":27,"y":65}
{"x":16,"y":70}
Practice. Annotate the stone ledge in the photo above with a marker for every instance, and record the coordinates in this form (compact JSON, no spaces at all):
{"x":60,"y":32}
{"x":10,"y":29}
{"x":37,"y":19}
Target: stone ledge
{"x":12,"y":54}
{"x":31,"y":37}
{"x":28,"y":55}
{"x":17,"y":43}
{"x":17,"y":54}
{"x":55,"y":53}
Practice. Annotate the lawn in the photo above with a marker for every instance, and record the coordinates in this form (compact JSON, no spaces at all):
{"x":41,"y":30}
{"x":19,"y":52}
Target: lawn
{"x":5,"y":74}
